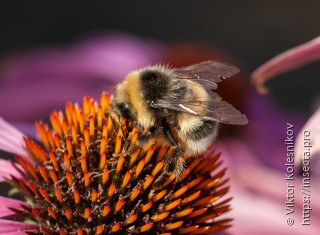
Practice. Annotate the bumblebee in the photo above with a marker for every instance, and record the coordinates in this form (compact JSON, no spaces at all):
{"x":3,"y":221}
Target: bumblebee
{"x":178,"y":106}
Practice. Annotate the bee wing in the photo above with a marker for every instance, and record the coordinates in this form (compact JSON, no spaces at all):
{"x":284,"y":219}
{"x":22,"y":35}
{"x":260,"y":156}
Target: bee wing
{"x":215,"y":110}
{"x":207,"y":73}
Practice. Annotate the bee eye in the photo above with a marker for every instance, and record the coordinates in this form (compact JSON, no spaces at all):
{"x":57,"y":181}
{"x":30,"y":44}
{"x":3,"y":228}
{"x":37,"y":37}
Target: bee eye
{"x":125,"y":110}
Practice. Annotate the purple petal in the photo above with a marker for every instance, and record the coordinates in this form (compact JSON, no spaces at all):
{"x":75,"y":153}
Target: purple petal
{"x":286,"y":61}
{"x":6,"y":203}
{"x":259,"y":194}
{"x":15,"y":228}
{"x":11,"y":139}
{"x":7,"y":169}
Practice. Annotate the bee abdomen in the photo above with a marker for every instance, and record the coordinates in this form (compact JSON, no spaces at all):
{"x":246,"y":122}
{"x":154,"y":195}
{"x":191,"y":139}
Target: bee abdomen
{"x":200,"y":137}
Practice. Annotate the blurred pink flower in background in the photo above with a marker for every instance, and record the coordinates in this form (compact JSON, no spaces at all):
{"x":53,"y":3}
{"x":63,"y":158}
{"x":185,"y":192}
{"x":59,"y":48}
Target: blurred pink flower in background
{"x":35,"y":83}
{"x":284,"y":62}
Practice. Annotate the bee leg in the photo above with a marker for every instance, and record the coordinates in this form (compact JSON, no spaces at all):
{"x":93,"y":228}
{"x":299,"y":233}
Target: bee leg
{"x":174,"y":164}
{"x":143,"y":141}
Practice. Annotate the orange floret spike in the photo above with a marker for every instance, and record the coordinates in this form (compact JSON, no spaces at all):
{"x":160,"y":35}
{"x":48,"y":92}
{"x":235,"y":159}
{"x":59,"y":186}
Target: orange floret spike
{"x":94,"y":196}
{"x":172,"y":205}
{"x":146,"y":207}
{"x":52,"y":213}
{"x":117,"y":148}
{"x":188,"y":230}
{"x":135,"y":193}
{"x":145,"y":227}
{"x":140,"y":167}
{"x":83,"y":148}
{"x":74,"y":135}
{"x":159,"y":217}
{"x":105,"y":176}
{"x":103,"y":144}
{"x":147,"y":182}
{"x":105,"y":130}
{"x":67,"y":161}
{"x":76,"y":196}
{"x":126,"y":179}
{"x":34,"y":188}
{"x":56,"y":123}
{"x":134,"y":157}
{"x":86,"y":136}
{"x":135,"y":133}
{"x":83,"y":164}
{"x":115,"y":228}
{"x":91,"y":126}
{"x":68,"y":214}
{"x":179,"y":192}
{"x":56,"y":140}
{"x":197,"y":212}
{"x":58,"y":195}
{"x":120,"y":163}
{"x":79,"y":231}
{"x":32,"y":171}
{"x":42,"y":154}
{"x":195,"y":182}
{"x":162,"y":151}
{"x":99,"y":230}
{"x":104,"y":101}
{"x":158,"y":196}
{"x":92,"y":111}
{"x":68,"y":110}
{"x":86,"y":179}
{"x":132,"y":218}
{"x":61,"y":232}
{"x":43,"y":134}
{"x":175,"y":225}
{"x":65,"y":128}
{"x":52,"y":143}
{"x":119,"y":205}
{"x":106,"y":211}
{"x":45,"y":195}
{"x":191,"y":198}
{"x":183,"y":213}
{"x":111,"y":190}
{"x":69,"y":147}
{"x":43,"y":173}
{"x":150,"y":153}
{"x":53,"y":176}
{"x":100,"y":117}
{"x":81,"y":122}
{"x":53,"y":160}
{"x":169,"y":180}
{"x":69,"y":178}
{"x":86,"y":105}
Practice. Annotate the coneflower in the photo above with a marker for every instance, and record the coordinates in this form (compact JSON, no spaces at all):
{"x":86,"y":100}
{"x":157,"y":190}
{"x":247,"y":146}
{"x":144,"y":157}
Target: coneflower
{"x":82,"y":179}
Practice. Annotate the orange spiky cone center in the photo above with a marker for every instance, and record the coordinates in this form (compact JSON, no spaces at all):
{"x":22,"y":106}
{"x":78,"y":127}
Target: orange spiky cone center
{"x":84,"y":181}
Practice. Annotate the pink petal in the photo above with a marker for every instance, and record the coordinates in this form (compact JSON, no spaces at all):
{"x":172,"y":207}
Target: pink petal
{"x":11,"y":139}
{"x":286,"y":61}
{"x":7,"y":169}
{"x":6,"y":203}
{"x":259,"y":194}
{"x":309,"y":135}
{"x":15,"y":228}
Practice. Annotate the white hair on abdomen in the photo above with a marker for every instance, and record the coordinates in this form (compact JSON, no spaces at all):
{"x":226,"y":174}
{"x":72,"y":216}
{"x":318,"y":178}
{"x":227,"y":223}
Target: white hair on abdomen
{"x":195,"y":147}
